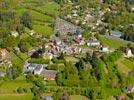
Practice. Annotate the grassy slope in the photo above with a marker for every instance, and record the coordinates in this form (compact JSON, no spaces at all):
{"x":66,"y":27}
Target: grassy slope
{"x":8,"y":90}
{"x":114,"y":43}
{"x":41,"y":14}
{"x":125,"y":65}
{"x":16,"y":96}
{"x":11,"y":86}
{"x":128,"y":63}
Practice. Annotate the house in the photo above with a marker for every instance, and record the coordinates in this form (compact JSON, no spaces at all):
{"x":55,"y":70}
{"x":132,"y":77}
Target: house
{"x":38,"y":69}
{"x":115,"y":34}
{"x":128,"y":52}
{"x":46,"y":98}
{"x":48,"y":55}
{"x":64,"y":96}
{"x":130,"y":89}
{"x":120,"y":97}
{"x":17,"y":49}
{"x":78,"y":37}
{"x":93,"y":43}
{"x":2,"y":74}
{"x":5,"y":56}
{"x":104,"y":49}
{"x":31,"y":32}
{"x":37,"y":54}
{"x":33,"y":67}
{"x":14,"y":33}
{"x":49,"y":74}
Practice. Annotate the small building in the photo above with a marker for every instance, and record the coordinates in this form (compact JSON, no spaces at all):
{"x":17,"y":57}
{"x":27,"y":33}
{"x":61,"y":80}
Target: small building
{"x":104,"y":49}
{"x":128,"y":52}
{"x":14,"y":33}
{"x":46,"y":98}
{"x":120,"y":97}
{"x":33,"y":67}
{"x":48,"y":56}
{"x":130,"y":89}
{"x":115,"y":34}
{"x":17,"y":49}
{"x":31,"y":32}
{"x":93,"y":43}
{"x":38,"y":69}
{"x":5,"y":56}
{"x":49,"y":74}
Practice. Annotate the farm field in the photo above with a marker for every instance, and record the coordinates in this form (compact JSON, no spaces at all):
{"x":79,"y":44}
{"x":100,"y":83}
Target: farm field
{"x":43,"y":14}
{"x":16,"y":96}
{"x":113,"y":42}
{"x":8,"y":90}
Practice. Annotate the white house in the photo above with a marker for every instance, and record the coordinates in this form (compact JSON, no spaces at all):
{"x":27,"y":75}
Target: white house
{"x":93,"y":43}
{"x":128,"y":52}
{"x":115,"y":34}
{"x":105,"y":49}
{"x":130,"y":89}
{"x":31,"y":32}
{"x":38,"y":69}
{"x":14,"y":33}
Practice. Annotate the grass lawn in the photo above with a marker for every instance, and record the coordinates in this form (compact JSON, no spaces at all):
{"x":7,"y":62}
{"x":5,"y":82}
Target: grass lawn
{"x":8,"y":89}
{"x":78,"y":97}
{"x":11,"y":86}
{"x":113,"y":42}
{"x":16,"y":96}
{"x":122,"y":67}
{"x":44,"y":30}
{"x":39,"y":16}
{"x":71,"y":59}
{"x":16,"y":60}
{"x":128,"y":63}
{"x":43,"y":14}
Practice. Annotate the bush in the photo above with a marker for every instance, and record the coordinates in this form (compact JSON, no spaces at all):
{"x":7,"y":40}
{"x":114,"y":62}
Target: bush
{"x":20,"y":90}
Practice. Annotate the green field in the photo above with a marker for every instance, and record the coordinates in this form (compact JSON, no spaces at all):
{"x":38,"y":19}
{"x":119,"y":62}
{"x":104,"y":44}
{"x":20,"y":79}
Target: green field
{"x":128,"y":63}
{"x":43,"y":14}
{"x":8,"y":89}
{"x":11,"y":86}
{"x":16,"y":96}
{"x":44,"y":30}
{"x":113,"y":42}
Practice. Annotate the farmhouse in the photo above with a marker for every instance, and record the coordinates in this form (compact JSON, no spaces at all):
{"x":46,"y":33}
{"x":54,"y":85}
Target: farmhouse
{"x":49,"y":74}
{"x":115,"y":34}
{"x":128,"y":52}
{"x":5,"y":56}
{"x":33,"y":67}
{"x":130,"y":89}
{"x":14,"y":33}
{"x":93,"y":43}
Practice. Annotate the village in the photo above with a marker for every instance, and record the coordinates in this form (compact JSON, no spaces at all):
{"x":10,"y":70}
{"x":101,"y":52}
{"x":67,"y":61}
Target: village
{"x":67,"y":39}
{"x":77,"y":51}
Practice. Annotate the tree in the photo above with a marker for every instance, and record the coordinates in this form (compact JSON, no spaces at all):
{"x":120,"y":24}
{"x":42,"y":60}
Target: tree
{"x":20,"y":90}
{"x":57,"y":95}
{"x":20,"y":29}
{"x":61,"y":57}
{"x":24,"y":46}
{"x":12,"y":72}
{"x":26,"y":20}
{"x":59,"y":79}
